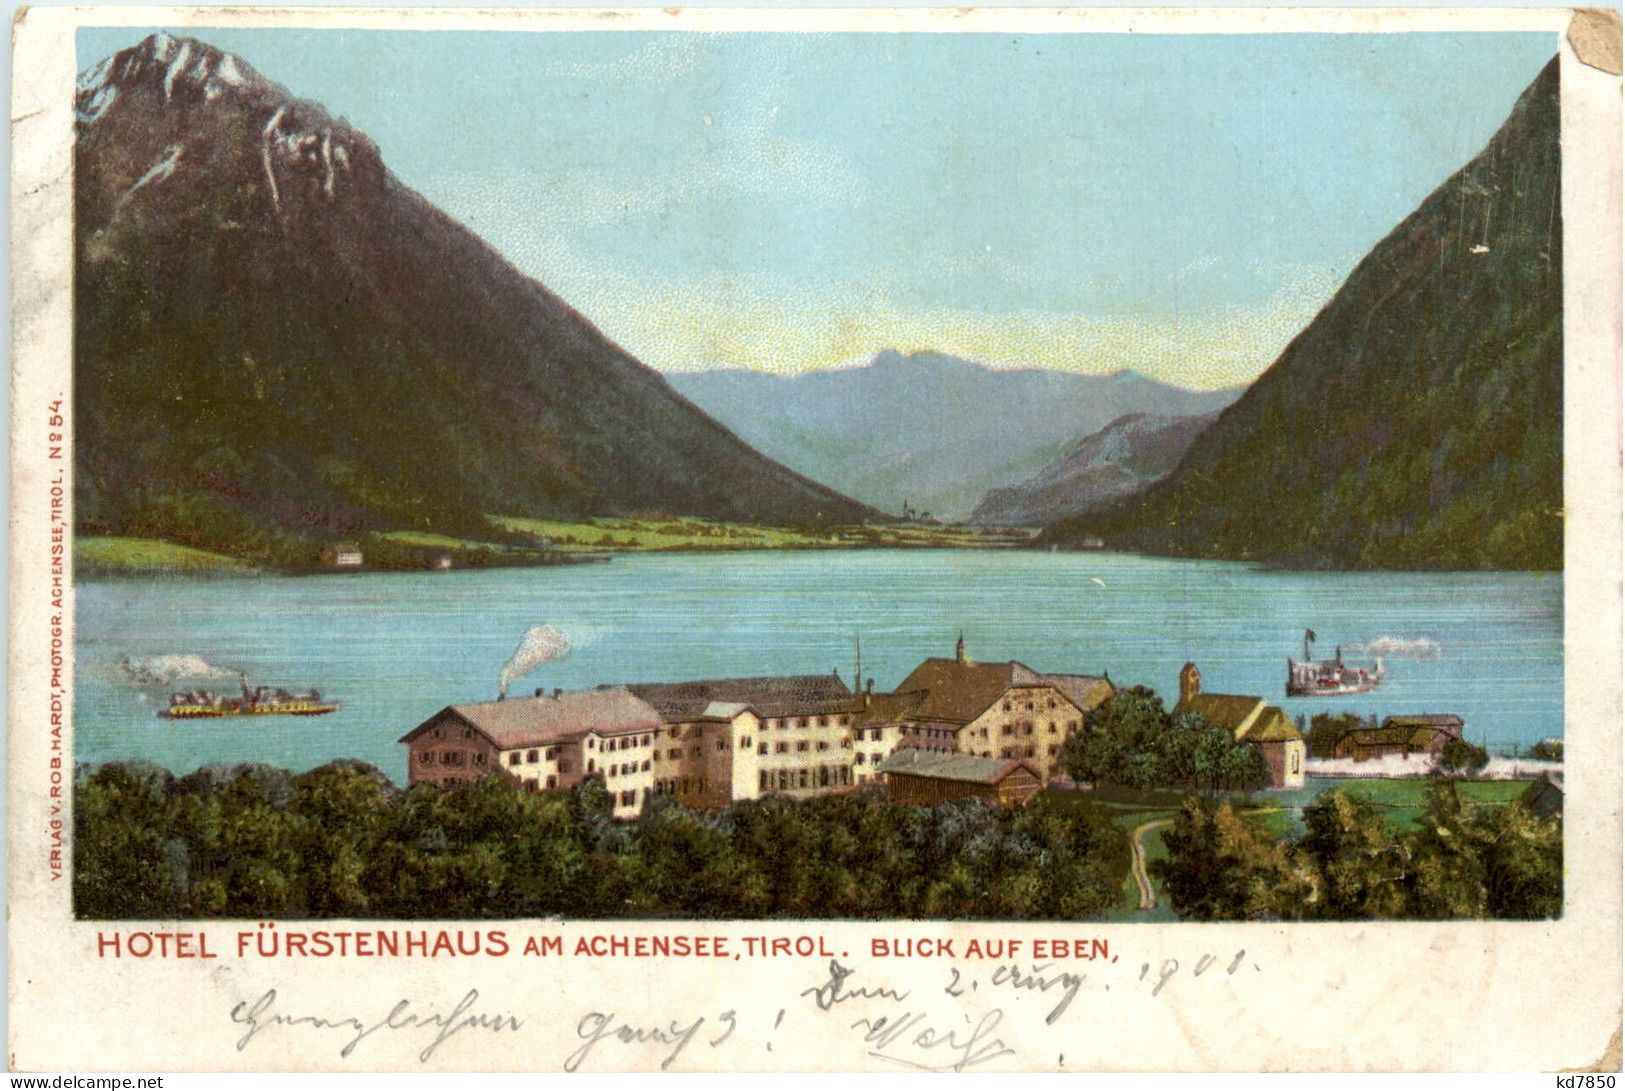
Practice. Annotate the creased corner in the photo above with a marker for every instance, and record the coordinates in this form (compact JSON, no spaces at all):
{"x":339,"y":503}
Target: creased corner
{"x":1595,"y":35}
{"x":1610,"y":1061}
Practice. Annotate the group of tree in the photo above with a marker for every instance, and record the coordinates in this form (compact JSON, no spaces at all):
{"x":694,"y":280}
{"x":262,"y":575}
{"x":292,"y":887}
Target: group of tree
{"x":342,"y":841}
{"x":1460,"y":860}
{"x":1132,"y":741}
{"x":1327,"y":729}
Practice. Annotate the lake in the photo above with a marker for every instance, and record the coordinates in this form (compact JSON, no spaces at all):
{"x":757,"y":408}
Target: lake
{"x":396,"y":647}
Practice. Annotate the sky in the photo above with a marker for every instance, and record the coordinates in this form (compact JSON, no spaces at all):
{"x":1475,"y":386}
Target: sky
{"x":1176,"y":205}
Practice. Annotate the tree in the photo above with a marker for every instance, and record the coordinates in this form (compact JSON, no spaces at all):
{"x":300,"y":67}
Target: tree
{"x":1461,"y":758}
{"x":1363,"y":866}
{"x":1130,"y":722}
{"x":1327,"y":730}
{"x":1219,"y":867}
{"x":1547,"y":750}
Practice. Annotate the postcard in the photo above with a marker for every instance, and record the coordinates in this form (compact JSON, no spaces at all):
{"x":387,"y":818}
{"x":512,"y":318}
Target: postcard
{"x":866,"y":540}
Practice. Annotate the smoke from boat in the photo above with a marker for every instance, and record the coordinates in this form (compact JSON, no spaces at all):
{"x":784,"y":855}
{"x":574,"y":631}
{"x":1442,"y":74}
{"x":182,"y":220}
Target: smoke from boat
{"x":162,"y":670}
{"x":540,"y":644}
{"x":1399,"y":647}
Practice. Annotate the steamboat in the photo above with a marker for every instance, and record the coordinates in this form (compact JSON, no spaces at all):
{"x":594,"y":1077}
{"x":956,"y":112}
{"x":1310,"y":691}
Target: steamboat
{"x":255,"y":701}
{"x":1329,"y":677}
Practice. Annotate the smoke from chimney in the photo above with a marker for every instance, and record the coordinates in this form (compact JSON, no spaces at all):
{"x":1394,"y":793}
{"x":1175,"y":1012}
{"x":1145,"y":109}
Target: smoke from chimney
{"x":540,"y":644}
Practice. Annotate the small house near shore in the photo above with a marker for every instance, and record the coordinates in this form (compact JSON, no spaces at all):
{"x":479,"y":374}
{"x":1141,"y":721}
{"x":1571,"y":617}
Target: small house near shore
{"x":1400,"y":735}
{"x":342,"y":556}
{"x":1545,"y":795}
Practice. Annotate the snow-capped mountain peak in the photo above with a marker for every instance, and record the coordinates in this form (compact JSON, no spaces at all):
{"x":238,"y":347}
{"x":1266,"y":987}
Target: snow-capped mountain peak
{"x":171,"y":95}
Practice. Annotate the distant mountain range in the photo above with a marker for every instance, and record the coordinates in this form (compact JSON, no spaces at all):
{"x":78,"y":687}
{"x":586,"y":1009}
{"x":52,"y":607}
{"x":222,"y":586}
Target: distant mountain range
{"x":275,"y":339}
{"x":930,"y":430}
{"x":1417,"y":421}
{"x":1128,"y":454}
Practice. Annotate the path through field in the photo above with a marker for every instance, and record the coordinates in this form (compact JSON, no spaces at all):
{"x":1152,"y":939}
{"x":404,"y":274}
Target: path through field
{"x":1148,"y":893}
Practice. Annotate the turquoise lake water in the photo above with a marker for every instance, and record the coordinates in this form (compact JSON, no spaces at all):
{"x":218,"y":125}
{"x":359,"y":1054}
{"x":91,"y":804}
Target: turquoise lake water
{"x":396,"y":647}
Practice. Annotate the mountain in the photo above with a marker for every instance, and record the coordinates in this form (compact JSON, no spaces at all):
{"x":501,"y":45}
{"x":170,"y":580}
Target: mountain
{"x":1417,"y":421}
{"x":928,"y":429}
{"x":1128,"y":454}
{"x":275,"y":337}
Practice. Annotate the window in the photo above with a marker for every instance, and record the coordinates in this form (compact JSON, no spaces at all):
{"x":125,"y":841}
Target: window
{"x":552,"y":782}
{"x":1054,"y":750}
{"x":761,"y":781}
{"x":645,"y":765}
{"x":722,"y":744}
{"x":532,"y":756}
{"x":761,"y":748}
{"x":1052,"y":728}
{"x":801,"y":777}
{"x":589,"y":765}
{"x":1294,"y":768}
{"x":784,"y":780}
{"x":564,"y":767}
{"x":513,"y":758}
{"x":744,"y":742}
{"x":820,"y":721}
{"x":552,"y":752}
{"x":1027,"y":728}
{"x":1029,"y":751}
{"x":437,"y":732}
{"x":425,"y":758}
{"x":823,"y":744}
{"x":802,"y":745}
{"x":645,"y":740}
{"x":1007,"y":706}
{"x":674,"y":753}
{"x":592,"y":744}
{"x":479,"y":759}
{"x":468,"y":732}
{"x":858,"y":760}
{"x":781,"y":747}
{"x":696,"y":751}
{"x":823,"y":776}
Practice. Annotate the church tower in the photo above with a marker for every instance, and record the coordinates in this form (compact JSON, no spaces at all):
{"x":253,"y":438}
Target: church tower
{"x":959,"y":650}
{"x":1190,"y":682}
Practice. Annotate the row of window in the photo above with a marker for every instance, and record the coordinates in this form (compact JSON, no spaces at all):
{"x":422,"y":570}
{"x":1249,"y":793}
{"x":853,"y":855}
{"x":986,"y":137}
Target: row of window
{"x":825,"y":776}
{"x":1051,"y":703}
{"x":449,"y":757}
{"x":808,"y":721}
{"x":802,"y":747}
{"x":531,"y":757}
{"x":624,"y":742}
{"x":683,"y":785}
